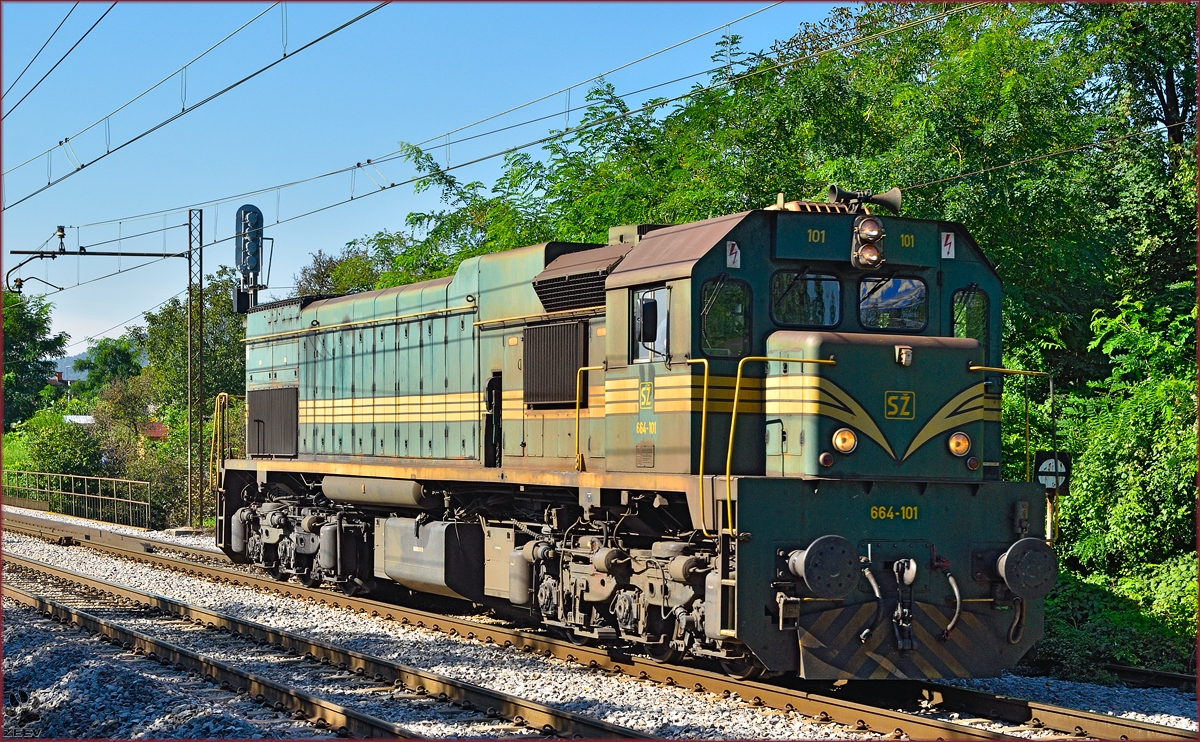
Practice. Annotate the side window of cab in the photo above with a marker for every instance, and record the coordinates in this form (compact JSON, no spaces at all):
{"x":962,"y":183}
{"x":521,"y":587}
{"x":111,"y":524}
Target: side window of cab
{"x":649,"y":324}
{"x":970,"y":307}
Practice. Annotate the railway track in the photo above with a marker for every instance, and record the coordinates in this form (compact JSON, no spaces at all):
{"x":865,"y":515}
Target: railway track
{"x":882,"y":707}
{"x":31,"y":577}
{"x":1143,"y":678}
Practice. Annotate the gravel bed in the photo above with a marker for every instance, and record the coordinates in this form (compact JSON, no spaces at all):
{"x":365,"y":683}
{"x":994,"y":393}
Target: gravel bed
{"x":1165,"y":706}
{"x":61,"y":682}
{"x":669,"y":712}
{"x":665,"y":711}
{"x":196,"y":542}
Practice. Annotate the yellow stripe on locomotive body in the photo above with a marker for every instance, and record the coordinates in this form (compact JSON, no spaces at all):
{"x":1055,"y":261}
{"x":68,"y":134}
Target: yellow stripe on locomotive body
{"x":562,"y":386}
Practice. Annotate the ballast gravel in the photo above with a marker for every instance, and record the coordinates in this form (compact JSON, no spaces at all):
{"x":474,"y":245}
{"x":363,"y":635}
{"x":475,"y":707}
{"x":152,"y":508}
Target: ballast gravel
{"x":664,"y":711}
{"x":61,"y":682}
{"x":195,"y":542}
{"x":660,"y":710}
{"x":1164,"y":706}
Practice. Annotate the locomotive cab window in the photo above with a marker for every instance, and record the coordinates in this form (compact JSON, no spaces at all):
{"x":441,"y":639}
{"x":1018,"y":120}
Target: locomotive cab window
{"x":806,"y":299}
{"x":892,"y":303}
{"x":725,"y":317}
{"x":648,"y":333}
{"x":971,"y":316}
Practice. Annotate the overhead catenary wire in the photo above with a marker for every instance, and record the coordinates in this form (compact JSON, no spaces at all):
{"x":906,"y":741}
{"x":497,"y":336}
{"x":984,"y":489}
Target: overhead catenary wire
{"x":125,"y":322}
{"x":551,"y":137}
{"x":593,"y":78}
{"x":39,"y":51}
{"x":194,"y":106}
{"x":139,"y":96}
{"x":56,"y":64}
{"x":555,"y":135}
{"x":395,"y":154}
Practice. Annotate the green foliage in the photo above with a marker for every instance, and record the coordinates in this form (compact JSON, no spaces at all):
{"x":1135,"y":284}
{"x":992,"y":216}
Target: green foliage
{"x":1089,"y":625}
{"x":1133,"y":499}
{"x":16,"y":455}
{"x":54,"y":445}
{"x":29,"y":347}
{"x":108,"y":359}
{"x":224,"y":353}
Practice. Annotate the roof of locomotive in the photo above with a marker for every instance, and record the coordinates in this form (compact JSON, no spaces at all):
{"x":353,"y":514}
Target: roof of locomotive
{"x":671,"y":252}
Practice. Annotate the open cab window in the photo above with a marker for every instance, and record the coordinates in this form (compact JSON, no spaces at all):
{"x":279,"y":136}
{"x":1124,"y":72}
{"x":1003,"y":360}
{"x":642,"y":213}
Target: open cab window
{"x":648,"y":334}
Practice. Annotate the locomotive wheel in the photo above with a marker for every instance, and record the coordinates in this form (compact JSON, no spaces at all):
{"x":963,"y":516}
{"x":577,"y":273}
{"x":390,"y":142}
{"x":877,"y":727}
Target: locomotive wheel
{"x":742,"y":668}
{"x":278,"y":574}
{"x":308,"y":580}
{"x":663,"y":653}
{"x":350,"y":588}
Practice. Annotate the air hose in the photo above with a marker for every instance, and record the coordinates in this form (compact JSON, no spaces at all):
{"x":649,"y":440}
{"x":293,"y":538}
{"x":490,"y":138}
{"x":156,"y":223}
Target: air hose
{"x":957,"y":606}
{"x":1018,"y":625}
{"x":866,"y":633}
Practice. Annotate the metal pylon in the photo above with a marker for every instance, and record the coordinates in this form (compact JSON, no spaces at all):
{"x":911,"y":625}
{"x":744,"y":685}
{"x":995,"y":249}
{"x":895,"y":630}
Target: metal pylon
{"x":195,"y":367}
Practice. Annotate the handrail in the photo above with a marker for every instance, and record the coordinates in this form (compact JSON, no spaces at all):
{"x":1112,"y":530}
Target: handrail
{"x":703,"y":438}
{"x":397,"y":318}
{"x":737,"y":388}
{"x":582,"y":312}
{"x":578,"y":386}
{"x":1007,"y":370}
{"x":219,"y":440}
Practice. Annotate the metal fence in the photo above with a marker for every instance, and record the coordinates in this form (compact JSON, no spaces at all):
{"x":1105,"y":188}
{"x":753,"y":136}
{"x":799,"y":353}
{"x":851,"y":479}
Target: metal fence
{"x":122,"y":501}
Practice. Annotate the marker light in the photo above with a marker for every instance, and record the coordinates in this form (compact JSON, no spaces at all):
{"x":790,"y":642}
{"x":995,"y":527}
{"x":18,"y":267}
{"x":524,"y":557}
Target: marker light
{"x":826,"y":458}
{"x":959,"y":444}
{"x":845,"y":440}
{"x":870,"y":230}
{"x":869,"y":256}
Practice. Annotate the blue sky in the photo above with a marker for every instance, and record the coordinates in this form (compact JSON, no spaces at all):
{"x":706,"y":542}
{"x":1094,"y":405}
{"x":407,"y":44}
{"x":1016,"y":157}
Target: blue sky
{"x":410,"y":71}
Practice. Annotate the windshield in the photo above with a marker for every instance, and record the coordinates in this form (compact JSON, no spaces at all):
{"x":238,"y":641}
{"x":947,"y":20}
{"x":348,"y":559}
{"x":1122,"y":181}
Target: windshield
{"x":808,"y":299}
{"x":892,"y":304}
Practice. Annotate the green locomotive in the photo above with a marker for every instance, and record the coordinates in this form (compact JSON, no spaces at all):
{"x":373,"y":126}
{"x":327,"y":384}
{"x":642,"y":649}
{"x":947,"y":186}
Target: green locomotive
{"x":770,"y":438}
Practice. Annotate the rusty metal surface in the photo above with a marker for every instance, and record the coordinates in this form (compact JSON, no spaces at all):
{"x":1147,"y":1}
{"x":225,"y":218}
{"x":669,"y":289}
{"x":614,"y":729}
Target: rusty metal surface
{"x":319,"y":711}
{"x":540,"y":716}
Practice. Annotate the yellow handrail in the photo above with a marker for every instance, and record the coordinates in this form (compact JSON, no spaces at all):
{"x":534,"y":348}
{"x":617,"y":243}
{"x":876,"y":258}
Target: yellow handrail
{"x":737,"y":388}
{"x":1007,"y":370}
{"x":703,"y":439}
{"x":218,"y":442}
{"x":578,"y":399}
{"x":1021,"y":372}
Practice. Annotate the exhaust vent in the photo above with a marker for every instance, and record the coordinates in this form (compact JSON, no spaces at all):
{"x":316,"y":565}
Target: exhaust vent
{"x":576,"y":280}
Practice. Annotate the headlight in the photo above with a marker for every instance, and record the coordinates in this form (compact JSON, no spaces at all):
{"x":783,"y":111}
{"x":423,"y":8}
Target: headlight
{"x":959,"y":444}
{"x":869,"y":256}
{"x":870,"y":230}
{"x":845,"y":440}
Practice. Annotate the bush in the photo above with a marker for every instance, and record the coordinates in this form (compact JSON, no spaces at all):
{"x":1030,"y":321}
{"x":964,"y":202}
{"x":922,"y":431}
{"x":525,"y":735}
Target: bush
{"x":1089,"y":625}
{"x":57,"y":446}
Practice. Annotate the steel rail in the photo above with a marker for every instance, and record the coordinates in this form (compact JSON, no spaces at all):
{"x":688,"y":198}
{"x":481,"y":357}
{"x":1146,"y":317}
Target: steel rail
{"x":54,"y":530}
{"x":855,"y":703}
{"x":862,"y":717}
{"x":318,"y":711}
{"x":1027,"y":713}
{"x":1146,"y":678}
{"x":522,"y":711}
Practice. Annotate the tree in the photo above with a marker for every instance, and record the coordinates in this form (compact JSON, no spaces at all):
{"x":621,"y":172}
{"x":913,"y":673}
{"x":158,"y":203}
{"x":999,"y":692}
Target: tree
{"x":357,"y":268}
{"x":28,"y":348}
{"x":56,"y":446}
{"x":108,"y":359}
{"x":224,"y":352}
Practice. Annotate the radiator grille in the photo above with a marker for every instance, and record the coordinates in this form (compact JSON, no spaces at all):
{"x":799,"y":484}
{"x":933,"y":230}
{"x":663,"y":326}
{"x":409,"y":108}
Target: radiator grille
{"x":572,"y":292}
{"x":273,"y":421}
{"x":553,"y":355}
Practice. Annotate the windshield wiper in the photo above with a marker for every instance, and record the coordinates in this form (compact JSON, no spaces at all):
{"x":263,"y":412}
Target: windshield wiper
{"x":875,"y":289}
{"x":792,"y":285}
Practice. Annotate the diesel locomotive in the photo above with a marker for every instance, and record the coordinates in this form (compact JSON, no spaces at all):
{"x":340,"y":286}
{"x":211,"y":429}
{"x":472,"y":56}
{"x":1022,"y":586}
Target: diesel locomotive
{"x":770,"y":439}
